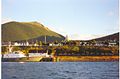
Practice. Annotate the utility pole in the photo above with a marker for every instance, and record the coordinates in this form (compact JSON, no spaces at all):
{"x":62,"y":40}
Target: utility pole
{"x":45,"y":39}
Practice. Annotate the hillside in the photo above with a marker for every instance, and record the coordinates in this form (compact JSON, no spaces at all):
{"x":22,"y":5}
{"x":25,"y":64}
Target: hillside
{"x":21,"y":31}
{"x":114,"y":36}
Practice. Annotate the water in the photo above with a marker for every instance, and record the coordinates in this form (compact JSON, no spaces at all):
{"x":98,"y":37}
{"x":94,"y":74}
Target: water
{"x":60,"y":70}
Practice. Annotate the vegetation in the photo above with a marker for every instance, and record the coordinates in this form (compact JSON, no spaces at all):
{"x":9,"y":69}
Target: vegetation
{"x":18,"y":31}
{"x":4,"y":49}
{"x":86,"y":51}
{"x":72,"y":53}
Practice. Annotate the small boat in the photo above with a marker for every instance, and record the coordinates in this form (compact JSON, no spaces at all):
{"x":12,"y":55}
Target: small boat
{"x":38,"y":53}
{"x":15,"y":54}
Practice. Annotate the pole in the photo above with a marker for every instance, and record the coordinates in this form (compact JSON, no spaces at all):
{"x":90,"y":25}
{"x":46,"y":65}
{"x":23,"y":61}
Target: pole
{"x":45,"y":39}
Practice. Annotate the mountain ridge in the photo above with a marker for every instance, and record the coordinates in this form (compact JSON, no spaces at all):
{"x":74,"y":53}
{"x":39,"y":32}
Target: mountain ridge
{"x":18,"y":31}
{"x":114,"y":36}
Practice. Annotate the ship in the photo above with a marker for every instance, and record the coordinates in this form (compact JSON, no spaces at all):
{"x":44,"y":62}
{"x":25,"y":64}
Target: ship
{"x":19,"y":56}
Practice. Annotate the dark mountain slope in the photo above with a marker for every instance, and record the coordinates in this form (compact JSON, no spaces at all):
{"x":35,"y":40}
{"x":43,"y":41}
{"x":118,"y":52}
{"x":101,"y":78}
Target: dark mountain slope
{"x":114,"y":36}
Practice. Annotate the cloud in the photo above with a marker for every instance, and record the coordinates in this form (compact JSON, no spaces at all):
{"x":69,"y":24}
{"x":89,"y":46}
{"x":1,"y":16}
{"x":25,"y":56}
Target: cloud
{"x":84,"y":36}
{"x":6,"y":20}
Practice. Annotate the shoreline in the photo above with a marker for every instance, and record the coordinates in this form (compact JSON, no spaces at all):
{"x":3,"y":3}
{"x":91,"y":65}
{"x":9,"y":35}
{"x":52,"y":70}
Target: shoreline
{"x":86,"y":58}
{"x":66,"y":59}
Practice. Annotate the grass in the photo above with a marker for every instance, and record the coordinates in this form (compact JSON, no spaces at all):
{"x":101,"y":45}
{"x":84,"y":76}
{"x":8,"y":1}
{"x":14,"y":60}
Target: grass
{"x":17,"y":31}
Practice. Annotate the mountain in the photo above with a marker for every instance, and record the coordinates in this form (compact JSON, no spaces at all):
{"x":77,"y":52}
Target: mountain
{"x":31,"y":31}
{"x":114,"y":36}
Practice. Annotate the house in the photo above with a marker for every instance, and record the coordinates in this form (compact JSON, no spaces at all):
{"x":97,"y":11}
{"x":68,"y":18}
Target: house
{"x":112,"y":44}
{"x":57,"y":44}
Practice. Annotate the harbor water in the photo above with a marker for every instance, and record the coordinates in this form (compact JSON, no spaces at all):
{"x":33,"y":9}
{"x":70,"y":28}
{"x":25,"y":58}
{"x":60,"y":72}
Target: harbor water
{"x":60,"y":70}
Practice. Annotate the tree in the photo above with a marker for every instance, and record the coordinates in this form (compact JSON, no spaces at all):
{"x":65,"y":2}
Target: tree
{"x":40,"y":43}
{"x":93,"y":42}
{"x":106,"y":43}
{"x":65,"y":47}
{"x":4,"y":49}
{"x":16,"y":48}
{"x":56,"y":42}
{"x":75,"y":49}
{"x":36,"y":42}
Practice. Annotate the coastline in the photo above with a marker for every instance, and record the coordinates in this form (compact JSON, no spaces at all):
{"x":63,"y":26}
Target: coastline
{"x":87,"y":58}
{"x":65,"y":59}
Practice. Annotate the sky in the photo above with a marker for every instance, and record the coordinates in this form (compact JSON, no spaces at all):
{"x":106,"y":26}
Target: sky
{"x":79,"y":19}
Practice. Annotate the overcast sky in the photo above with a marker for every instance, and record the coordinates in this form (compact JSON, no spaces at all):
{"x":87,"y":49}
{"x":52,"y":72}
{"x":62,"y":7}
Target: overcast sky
{"x":79,"y":19}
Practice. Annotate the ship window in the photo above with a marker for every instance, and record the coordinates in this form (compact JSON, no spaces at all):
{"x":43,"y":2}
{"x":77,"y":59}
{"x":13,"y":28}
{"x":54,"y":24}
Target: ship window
{"x":16,"y":52}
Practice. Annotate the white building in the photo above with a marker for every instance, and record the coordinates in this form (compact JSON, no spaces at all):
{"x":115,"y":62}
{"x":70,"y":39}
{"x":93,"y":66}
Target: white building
{"x":112,"y":44}
{"x":52,"y":44}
